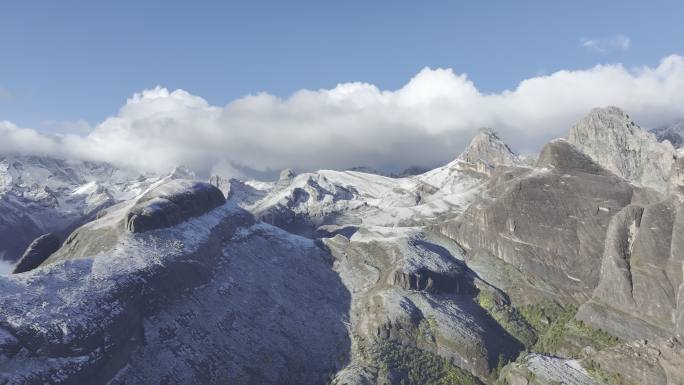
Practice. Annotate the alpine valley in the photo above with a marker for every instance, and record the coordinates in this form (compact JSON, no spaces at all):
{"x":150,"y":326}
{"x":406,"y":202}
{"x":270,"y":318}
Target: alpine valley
{"x":496,"y":268}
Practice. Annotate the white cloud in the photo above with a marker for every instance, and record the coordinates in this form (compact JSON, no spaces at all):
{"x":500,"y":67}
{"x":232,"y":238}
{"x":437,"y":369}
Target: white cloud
{"x":428,"y":121}
{"x":618,"y":42}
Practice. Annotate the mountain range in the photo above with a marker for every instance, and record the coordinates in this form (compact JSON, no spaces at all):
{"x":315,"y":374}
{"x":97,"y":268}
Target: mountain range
{"x":495,"y":268}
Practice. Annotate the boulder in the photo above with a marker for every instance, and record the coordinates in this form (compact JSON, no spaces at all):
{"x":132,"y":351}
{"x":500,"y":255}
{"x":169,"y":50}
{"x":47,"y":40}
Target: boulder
{"x":37,"y":252}
{"x":172,"y":203}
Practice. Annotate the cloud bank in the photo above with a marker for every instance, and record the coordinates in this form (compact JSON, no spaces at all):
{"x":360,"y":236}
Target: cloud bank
{"x":426,"y":122}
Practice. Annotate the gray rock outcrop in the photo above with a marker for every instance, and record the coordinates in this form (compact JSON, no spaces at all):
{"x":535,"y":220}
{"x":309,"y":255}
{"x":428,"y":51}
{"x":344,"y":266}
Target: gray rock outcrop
{"x":676,"y":185}
{"x":286,"y":175}
{"x":641,"y":273}
{"x":171,"y":203}
{"x":640,"y":294}
{"x":412,"y":290}
{"x":486,"y":147}
{"x":610,"y":137}
{"x":645,"y":362}
{"x":550,"y":221}
{"x":38,"y":251}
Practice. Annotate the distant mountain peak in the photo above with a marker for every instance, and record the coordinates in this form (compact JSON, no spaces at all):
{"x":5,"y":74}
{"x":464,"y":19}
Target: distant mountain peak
{"x":287,"y":174}
{"x":488,"y":147}
{"x":673,"y":132}
{"x":182,"y":172}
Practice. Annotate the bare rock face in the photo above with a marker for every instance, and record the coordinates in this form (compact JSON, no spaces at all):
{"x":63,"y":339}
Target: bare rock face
{"x":412,"y":290}
{"x":37,"y":252}
{"x":610,"y":137}
{"x":641,"y":273}
{"x":676,"y":186}
{"x":640,"y":294}
{"x":171,"y":203}
{"x":486,"y":147}
{"x":564,"y":157}
{"x":549,"y":222}
{"x":645,"y":362}
{"x":537,"y":369}
{"x":432,"y":282}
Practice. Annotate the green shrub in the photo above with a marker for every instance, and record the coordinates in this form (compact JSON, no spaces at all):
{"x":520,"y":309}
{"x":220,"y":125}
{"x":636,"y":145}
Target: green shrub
{"x":509,"y":318}
{"x":601,"y":376}
{"x":418,"y":366}
{"x":559,"y":333}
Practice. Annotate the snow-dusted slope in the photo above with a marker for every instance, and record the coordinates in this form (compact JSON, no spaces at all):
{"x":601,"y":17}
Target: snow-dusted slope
{"x":215,"y":299}
{"x":673,"y":132}
{"x":41,"y":194}
{"x":303,"y":202}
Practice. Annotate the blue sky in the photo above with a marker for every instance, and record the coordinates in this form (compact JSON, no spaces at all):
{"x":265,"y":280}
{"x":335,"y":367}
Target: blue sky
{"x":72,"y":60}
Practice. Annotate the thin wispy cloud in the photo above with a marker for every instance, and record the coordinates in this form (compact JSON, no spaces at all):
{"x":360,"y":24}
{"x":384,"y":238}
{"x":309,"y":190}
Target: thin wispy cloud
{"x":427,"y":121}
{"x":603,"y":45}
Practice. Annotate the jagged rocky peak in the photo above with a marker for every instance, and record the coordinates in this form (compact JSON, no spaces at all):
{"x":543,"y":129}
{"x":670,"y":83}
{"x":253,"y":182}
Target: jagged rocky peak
{"x":286,"y":177}
{"x":182,"y":172}
{"x":487,"y":147}
{"x":610,"y":137}
{"x":287,"y":174}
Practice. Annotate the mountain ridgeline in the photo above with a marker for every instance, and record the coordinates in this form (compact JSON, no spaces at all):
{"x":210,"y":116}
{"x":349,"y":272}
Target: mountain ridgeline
{"x":491,"y":269}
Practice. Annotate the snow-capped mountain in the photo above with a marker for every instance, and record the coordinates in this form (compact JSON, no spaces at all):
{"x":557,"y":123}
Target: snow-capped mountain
{"x":673,"y":132}
{"x":39,"y":195}
{"x":348,"y":277}
{"x":302,"y":203}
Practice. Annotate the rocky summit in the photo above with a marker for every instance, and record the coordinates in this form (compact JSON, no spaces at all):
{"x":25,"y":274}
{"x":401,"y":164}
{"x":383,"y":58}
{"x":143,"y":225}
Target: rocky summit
{"x":490,"y":269}
{"x":617,"y":143}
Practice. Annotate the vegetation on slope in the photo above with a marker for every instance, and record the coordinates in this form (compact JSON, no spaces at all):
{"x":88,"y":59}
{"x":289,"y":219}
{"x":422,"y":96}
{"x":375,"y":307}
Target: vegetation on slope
{"x":559,"y":333}
{"x":508,"y":317}
{"x":550,"y":328}
{"x":417,"y":367}
{"x":601,"y":376}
